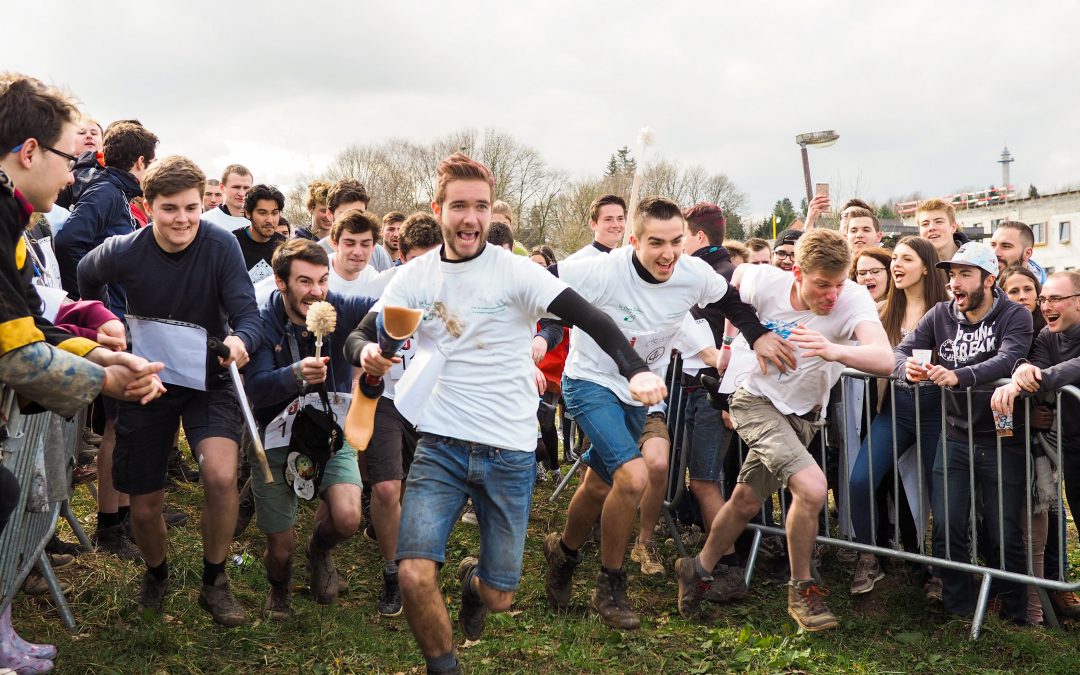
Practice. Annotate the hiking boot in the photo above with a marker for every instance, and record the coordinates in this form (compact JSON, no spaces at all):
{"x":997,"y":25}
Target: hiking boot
{"x":178,"y":470}
{"x":1065,"y":603}
{"x":728,"y":584}
{"x":645,"y":554}
{"x":692,"y":587}
{"x":932,"y":588}
{"x":58,"y":545}
{"x":806,"y":604}
{"x":279,"y":602}
{"x":390,"y":598}
{"x":151,"y":593}
{"x":59,"y":561}
{"x":221,"y":603}
{"x":83,"y":474}
{"x":559,"y":580}
{"x":610,"y":601}
{"x":35,"y":584}
{"x":867,"y":573}
{"x":115,"y":541}
{"x":323,"y":576}
{"x":473,"y":614}
{"x":90,"y":438}
{"x":173,"y":517}
{"x":468,"y":516}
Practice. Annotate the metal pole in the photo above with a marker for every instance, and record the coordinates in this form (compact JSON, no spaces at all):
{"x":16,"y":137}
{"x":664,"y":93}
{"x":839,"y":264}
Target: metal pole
{"x":806,"y":173}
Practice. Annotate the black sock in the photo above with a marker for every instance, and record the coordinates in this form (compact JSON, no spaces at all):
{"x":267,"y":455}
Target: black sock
{"x":731,"y":560}
{"x":107,"y":520}
{"x":125,"y":513}
{"x":161,"y":571}
{"x":320,"y":540}
{"x":210,"y":571}
{"x":441,"y":664}
{"x":608,"y":572}
{"x":572,"y":553}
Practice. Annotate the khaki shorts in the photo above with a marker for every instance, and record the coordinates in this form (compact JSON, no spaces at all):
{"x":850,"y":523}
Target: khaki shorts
{"x":655,"y":427}
{"x":777,"y":442}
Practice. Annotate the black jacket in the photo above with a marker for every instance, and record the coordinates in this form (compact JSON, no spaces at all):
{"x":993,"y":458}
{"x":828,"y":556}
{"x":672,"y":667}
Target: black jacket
{"x":103,"y":211}
{"x":720,"y":260}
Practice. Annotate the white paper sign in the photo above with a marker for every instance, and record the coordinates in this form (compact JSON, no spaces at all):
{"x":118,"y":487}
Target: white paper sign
{"x":180,"y":346}
{"x":278,"y":432}
{"x":414,"y":388}
{"x":259,"y":271}
{"x":742,"y":362}
{"x":52,"y":300}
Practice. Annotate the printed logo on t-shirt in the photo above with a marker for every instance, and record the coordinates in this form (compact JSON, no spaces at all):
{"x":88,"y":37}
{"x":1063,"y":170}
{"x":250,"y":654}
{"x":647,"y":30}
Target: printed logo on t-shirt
{"x":781,"y":328}
{"x":631,"y":312}
{"x":965,"y":347}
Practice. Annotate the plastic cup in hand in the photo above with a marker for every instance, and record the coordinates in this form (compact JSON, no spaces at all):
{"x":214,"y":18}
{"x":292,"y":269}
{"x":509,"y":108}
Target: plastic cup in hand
{"x":1003,"y":423}
{"x":923,"y":357}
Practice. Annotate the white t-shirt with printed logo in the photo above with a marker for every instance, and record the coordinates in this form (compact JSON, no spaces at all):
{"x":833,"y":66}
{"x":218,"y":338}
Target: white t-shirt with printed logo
{"x":649,"y":315}
{"x":481,"y":315}
{"x":768,"y":289}
{"x":355,"y":287}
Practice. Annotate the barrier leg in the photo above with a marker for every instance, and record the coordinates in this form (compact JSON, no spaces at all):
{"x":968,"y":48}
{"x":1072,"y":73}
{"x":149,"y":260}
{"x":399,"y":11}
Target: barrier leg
{"x":565,"y":480}
{"x":980,"y":607}
{"x":76,"y":526}
{"x":674,"y":531}
{"x":752,"y":560}
{"x":1049,"y":615}
{"x":57,"y":593}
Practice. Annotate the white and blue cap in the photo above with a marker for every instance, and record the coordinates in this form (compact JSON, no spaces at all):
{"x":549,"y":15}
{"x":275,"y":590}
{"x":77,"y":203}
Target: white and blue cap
{"x":973,"y":254}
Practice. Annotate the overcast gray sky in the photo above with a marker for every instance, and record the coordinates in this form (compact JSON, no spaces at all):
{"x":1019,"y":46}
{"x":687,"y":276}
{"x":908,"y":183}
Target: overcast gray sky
{"x":922,"y":94}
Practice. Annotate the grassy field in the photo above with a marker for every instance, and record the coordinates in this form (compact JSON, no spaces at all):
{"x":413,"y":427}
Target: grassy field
{"x":893,"y":630}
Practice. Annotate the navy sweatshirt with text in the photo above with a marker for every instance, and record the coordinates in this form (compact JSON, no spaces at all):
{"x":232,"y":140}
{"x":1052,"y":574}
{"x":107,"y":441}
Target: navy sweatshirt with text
{"x":980,"y":353}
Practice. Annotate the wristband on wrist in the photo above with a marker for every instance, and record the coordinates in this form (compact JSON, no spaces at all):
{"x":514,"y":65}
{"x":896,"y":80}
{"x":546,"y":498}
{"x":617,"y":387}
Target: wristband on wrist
{"x":726,"y":348}
{"x":728,"y":339}
{"x":298,"y":374}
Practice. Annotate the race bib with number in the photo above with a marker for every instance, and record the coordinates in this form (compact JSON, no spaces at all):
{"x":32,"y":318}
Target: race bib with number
{"x":654,"y":347}
{"x":278,"y":432}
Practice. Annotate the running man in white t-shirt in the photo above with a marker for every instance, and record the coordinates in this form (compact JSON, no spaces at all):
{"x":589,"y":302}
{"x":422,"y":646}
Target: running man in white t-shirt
{"x":473,"y":379}
{"x":834,"y":322}
{"x":647,"y":288}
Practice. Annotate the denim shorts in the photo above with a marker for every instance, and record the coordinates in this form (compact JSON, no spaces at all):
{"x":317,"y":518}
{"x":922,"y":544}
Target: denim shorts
{"x":446,"y":471}
{"x":706,"y":437}
{"x":613,"y":427}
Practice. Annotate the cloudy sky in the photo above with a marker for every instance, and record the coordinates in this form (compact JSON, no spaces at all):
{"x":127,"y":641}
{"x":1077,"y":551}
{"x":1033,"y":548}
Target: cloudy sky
{"x":923,"y":95}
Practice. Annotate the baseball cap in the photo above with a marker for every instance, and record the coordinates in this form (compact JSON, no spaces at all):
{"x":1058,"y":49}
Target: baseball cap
{"x":787,"y":237}
{"x":973,"y":254}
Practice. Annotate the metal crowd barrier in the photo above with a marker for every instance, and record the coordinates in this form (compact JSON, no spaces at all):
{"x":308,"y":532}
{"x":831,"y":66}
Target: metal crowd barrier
{"x":22,"y":543}
{"x":852,"y":404}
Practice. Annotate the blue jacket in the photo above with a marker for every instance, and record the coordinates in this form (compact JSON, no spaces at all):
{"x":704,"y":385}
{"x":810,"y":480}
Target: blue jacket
{"x":268,"y":377}
{"x":103,"y":211}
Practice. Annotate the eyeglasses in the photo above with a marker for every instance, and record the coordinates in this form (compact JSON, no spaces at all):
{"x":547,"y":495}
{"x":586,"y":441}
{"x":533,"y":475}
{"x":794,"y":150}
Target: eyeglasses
{"x":783,"y":255}
{"x":873,"y":271}
{"x":71,"y":159}
{"x":1055,"y":299}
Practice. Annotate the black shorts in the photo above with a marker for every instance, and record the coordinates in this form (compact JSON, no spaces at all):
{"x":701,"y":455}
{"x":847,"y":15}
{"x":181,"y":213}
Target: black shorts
{"x":392,"y":439}
{"x":144,"y":434}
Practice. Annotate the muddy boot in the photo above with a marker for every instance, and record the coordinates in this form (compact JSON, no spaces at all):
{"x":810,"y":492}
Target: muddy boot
{"x":221,"y":603}
{"x":559,"y":580}
{"x":610,"y":601}
{"x":806,"y":604}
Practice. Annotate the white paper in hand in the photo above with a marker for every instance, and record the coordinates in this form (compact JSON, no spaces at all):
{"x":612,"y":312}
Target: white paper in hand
{"x":418,"y":382}
{"x":180,"y":346}
{"x":742,"y":363}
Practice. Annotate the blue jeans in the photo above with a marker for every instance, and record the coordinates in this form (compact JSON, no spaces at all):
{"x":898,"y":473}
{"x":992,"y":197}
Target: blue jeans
{"x":706,"y":435}
{"x":959,"y":590}
{"x":876,"y":453}
{"x":613,"y":427}
{"x":446,"y":471}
